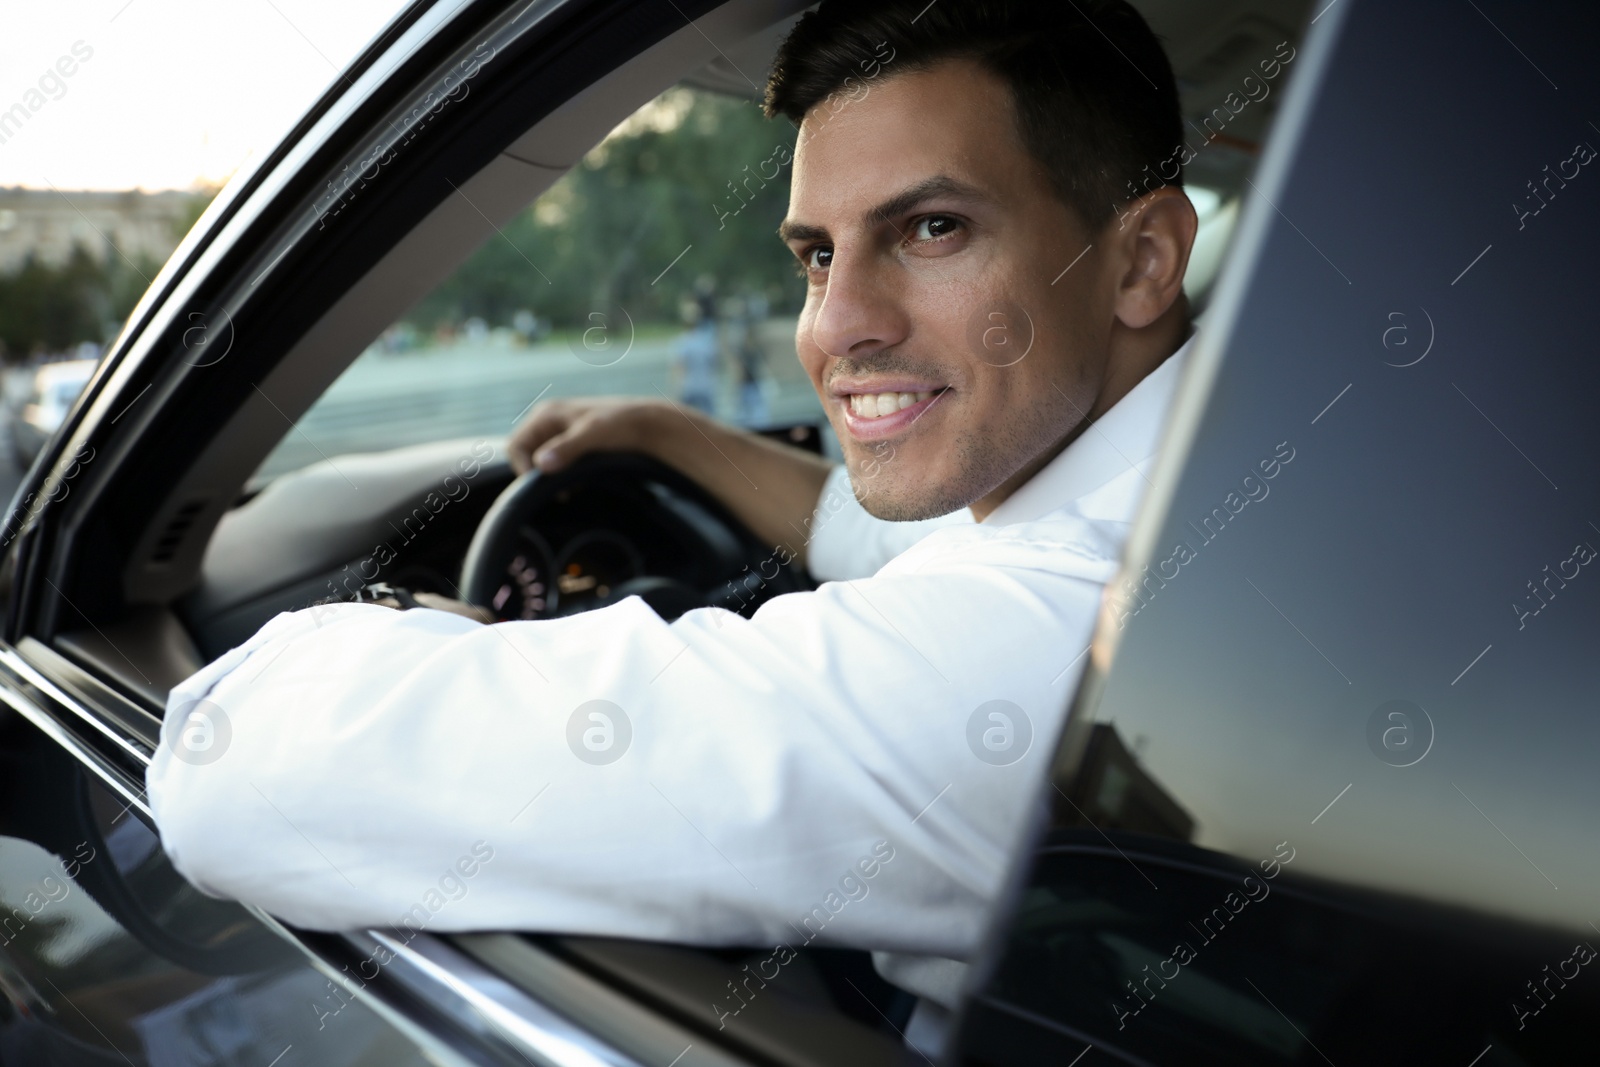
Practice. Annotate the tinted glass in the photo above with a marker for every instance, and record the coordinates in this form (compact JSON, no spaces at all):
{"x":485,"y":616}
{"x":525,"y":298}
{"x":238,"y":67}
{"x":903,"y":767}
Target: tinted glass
{"x":1332,"y":801}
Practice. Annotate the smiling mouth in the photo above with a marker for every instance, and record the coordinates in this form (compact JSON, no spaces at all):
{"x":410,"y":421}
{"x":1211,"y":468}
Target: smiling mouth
{"x":879,"y":405}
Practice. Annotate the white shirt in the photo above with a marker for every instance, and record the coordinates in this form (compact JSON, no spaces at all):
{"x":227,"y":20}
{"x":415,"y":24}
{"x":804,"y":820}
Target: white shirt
{"x":805,"y":774}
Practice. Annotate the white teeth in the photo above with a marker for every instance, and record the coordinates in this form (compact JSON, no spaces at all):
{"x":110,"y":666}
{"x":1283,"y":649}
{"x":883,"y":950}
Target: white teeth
{"x":877,"y":405}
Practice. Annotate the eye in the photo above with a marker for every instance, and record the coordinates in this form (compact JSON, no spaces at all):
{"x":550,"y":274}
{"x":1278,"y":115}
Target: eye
{"x":933,"y":227}
{"x":817,"y":257}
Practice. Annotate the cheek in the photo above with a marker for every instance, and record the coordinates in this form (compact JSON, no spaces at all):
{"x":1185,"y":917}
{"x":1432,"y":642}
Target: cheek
{"x":996,"y":330}
{"x":1054,"y":382}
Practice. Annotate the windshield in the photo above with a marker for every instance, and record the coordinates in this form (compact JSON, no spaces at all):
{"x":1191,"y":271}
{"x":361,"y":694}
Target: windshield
{"x":651,"y":268}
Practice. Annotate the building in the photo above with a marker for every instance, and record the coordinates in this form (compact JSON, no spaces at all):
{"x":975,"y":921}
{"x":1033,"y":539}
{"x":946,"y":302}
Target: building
{"x":48,"y":223}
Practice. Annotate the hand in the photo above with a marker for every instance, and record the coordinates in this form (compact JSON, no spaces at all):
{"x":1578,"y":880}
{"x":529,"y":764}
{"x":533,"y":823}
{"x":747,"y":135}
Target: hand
{"x":769,"y":486}
{"x":557,"y":432}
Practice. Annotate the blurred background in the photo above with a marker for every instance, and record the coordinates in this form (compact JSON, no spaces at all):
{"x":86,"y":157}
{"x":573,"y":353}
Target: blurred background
{"x":652,"y":268}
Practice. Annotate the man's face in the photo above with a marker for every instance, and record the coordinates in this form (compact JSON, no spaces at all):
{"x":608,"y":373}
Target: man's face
{"x":951,"y":346}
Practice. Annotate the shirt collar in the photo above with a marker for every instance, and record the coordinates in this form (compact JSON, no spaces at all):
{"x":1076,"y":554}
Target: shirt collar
{"x":1125,"y":436}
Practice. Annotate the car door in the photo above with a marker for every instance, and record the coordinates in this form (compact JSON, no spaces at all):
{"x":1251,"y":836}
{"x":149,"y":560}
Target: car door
{"x":1324,"y":796}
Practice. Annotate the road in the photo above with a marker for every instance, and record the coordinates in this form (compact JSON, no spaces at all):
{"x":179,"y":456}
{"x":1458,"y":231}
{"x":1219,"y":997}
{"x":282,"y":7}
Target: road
{"x":388,"y":400}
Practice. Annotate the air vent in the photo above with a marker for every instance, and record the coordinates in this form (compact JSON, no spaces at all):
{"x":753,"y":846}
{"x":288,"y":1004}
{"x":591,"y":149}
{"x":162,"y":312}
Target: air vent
{"x":176,"y":530}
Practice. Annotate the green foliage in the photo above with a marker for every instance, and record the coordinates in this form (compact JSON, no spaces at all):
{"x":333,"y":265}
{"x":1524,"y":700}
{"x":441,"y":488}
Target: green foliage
{"x":53,"y":308}
{"x":608,"y":229}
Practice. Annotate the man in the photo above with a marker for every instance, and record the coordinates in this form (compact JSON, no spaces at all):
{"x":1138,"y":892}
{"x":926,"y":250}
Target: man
{"x":994,"y":302}
{"x":694,"y":357}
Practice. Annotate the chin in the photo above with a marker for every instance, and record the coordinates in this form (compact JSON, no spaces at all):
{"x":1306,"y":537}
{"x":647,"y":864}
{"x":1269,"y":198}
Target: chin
{"x":896,"y":501}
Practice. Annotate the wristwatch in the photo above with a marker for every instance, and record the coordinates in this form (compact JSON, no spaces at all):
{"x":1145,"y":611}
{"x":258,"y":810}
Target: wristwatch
{"x":375,"y":592}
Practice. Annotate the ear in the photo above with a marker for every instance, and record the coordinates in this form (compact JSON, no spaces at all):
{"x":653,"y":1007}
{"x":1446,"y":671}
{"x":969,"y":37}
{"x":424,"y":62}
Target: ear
{"x":1151,"y":239}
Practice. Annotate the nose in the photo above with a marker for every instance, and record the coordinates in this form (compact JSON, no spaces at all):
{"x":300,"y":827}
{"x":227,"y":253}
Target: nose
{"x":861,"y":310}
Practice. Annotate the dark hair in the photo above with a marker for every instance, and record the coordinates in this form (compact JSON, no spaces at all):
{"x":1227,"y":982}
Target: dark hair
{"x":1092,"y":89}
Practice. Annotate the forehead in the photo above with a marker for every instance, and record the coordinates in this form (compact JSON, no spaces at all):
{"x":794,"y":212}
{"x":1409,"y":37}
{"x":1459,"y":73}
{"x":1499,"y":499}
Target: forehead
{"x":955,"y":118}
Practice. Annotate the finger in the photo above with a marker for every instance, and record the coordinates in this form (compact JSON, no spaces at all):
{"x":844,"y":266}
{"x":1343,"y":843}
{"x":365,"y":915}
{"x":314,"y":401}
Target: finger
{"x":606,"y":431}
{"x":542,"y":423}
{"x":519,"y":462}
{"x":561,"y":449}
{"x":521,"y":444}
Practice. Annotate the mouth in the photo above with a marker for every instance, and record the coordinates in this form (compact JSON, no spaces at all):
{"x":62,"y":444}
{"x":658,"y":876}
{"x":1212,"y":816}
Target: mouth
{"x":879,"y":405}
{"x":878,"y":409}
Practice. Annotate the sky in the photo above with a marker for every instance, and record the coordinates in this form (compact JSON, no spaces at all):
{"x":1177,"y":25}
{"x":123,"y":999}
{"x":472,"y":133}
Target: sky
{"x":173,"y":93}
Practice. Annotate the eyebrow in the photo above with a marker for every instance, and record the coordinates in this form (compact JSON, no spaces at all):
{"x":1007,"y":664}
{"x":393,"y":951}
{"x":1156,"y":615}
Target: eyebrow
{"x":898,"y":204}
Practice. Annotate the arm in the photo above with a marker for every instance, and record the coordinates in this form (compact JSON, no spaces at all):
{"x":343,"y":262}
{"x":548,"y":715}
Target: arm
{"x":372,"y":754}
{"x":770,"y":487}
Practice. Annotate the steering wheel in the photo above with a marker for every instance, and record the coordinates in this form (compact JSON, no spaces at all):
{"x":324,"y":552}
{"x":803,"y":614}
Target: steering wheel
{"x":613,"y":525}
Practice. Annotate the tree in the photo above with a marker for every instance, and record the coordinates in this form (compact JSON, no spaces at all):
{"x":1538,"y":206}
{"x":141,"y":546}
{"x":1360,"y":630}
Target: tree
{"x":711,"y":175}
{"x":46,"y":308}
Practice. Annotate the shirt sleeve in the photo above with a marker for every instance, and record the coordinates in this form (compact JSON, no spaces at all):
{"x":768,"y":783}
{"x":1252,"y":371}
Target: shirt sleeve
{"x":853,"y":764}
{"x":845,"y":540}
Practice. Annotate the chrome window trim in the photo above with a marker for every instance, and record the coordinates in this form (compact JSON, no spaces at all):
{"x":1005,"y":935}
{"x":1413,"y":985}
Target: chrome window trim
{"x":531,"y":1028}
{"x":12,"y":660}
{"x":437,"y":1049}
{"x":576,"y":994}
{"x":51,"y":726}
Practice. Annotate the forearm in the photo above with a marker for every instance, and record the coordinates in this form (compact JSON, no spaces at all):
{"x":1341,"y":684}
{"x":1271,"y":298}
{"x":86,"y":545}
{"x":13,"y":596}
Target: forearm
{"x":369,"y":750}
{"x":769,"y":486}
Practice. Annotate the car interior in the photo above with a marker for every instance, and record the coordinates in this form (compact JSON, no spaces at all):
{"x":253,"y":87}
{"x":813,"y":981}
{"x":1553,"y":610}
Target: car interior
{"x":219,"y":551}
{"x":280,"y":550}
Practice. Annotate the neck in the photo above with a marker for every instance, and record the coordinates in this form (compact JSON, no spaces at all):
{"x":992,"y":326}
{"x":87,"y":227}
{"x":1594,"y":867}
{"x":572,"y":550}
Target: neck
{"x":1131,"y":355}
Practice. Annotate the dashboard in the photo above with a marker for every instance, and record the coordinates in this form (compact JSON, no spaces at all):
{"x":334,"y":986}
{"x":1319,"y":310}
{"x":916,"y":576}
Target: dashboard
{"x":408,"y":517}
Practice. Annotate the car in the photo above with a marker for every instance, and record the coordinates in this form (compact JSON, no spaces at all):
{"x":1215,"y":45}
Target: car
{"x":50,"y":394}
{"x":1319,"y":798}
